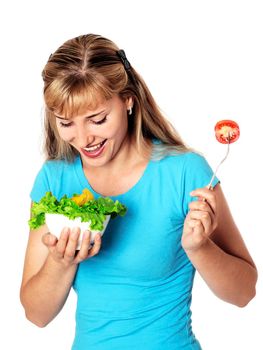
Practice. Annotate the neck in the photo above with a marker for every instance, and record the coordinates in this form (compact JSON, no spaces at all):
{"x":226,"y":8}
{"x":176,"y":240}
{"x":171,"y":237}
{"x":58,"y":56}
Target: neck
{"x":126,"y":158}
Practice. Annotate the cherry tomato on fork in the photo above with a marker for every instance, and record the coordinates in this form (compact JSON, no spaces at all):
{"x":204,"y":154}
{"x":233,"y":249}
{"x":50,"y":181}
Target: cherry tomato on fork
{"x":227,"y":131}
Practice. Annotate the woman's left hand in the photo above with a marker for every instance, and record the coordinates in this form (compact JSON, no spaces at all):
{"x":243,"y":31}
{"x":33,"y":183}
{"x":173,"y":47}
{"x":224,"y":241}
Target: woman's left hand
{"x":201,"y":220}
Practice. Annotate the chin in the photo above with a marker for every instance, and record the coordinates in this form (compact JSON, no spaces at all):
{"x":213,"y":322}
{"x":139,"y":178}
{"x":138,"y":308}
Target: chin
{"x":95,"y":162}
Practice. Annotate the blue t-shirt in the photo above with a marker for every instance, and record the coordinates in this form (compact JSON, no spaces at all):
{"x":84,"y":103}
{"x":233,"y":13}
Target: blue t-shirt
{"x":136,"y":293}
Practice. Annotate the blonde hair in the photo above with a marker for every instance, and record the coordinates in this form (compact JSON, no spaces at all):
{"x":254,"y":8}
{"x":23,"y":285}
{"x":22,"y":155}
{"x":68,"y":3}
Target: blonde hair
{"x":83,"y":72}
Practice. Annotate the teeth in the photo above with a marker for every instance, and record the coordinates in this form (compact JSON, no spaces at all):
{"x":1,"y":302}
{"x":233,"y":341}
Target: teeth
{"x":93,"y":148}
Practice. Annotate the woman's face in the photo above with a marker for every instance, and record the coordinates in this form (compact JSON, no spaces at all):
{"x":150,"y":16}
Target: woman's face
{"x":98,"y":135}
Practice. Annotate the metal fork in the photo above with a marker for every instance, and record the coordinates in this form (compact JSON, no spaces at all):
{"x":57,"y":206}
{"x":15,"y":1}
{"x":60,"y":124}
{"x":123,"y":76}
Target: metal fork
{"x":215,"y":172}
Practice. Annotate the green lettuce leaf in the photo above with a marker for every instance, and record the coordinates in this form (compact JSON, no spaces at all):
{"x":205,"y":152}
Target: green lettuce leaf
{"x":94,"y":210}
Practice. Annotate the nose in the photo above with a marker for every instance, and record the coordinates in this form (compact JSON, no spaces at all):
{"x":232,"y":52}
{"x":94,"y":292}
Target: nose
{"x":83,"y":137}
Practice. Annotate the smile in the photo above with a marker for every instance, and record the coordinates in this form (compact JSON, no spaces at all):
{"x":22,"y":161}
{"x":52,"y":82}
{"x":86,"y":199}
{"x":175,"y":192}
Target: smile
{"x":94,"y":151}
{"x":94,"y":148}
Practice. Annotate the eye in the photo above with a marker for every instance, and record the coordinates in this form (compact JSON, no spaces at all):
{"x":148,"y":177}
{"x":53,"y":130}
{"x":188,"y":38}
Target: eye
{"x":100,"y":121}
{"x":65,"y":125}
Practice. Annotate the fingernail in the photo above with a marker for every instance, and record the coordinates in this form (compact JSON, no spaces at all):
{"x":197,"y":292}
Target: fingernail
{"x":86,"y":234}
{"x":65,"y":230}
{"x":75,"y":232}
{"x":52,"y":240}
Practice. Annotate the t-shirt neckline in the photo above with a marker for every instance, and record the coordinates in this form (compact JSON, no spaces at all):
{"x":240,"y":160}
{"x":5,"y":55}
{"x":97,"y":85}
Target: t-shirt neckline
{"x":133,"y":190}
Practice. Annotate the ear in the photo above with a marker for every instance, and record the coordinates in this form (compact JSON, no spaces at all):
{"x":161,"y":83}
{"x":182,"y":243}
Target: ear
{"x":129,"y":102}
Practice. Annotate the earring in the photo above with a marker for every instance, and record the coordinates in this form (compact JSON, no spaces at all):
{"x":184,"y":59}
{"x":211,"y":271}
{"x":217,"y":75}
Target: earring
{"x":130,"y":111}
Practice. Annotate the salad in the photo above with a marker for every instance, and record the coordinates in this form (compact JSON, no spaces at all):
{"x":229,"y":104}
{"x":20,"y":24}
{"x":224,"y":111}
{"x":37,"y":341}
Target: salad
{"x":81,"y":206}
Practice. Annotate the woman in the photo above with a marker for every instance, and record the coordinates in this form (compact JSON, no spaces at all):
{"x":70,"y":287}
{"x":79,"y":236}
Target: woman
{"x":105,"y":132}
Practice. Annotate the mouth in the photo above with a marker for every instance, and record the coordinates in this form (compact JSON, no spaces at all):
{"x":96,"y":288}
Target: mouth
{"x":95,"y":150}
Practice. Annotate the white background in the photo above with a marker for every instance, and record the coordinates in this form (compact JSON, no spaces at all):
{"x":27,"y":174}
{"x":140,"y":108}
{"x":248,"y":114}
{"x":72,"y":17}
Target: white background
{"x":203,"y":62}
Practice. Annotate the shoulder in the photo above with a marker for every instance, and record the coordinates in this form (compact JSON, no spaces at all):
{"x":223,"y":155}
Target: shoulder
{"x":186,"y":169}
{"x":52,"y":169}
{"x":180,"y":169}
{"x":52,"y":176}
{"x":55,"y":165}
{"x":190,"y":167}
{"x":184,"y":173}
{"x":184,"y":162}
{"x":171,"y":154}
{"x":174,"y":176}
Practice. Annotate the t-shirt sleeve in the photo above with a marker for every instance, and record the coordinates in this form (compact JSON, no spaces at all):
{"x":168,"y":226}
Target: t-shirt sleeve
{"x":40,"y":186}
{"x":197,"y":174}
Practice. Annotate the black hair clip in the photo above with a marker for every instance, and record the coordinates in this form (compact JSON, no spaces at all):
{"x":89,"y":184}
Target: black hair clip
{"x":124,"y":60}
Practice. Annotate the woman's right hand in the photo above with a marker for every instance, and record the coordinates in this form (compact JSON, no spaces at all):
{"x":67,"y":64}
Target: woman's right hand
{"x":63,"y":250}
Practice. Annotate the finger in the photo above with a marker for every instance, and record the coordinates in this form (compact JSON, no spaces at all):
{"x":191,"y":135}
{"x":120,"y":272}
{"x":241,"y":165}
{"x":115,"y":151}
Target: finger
{"x":200,"y":205}
{"x":203,"y":207}
{"x":62,"y":242}
{"x":49,"y":240}
{"x":192,"y":223}
{"x":204,"y":194}
{"x":210,"y":188}
{"x":97,"y":245}
{"x":196,"y":230}
{"x":72,"y":243}
{"x":205,"y":218}
{"x":83,"y":253}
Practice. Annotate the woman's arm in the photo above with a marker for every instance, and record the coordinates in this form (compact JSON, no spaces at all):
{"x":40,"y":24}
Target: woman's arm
{"x":49,"y":269}
{"x":214,"y":245}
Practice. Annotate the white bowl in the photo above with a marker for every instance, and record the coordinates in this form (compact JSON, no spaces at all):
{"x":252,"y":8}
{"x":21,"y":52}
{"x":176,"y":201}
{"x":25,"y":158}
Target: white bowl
{"x":56,"y":222}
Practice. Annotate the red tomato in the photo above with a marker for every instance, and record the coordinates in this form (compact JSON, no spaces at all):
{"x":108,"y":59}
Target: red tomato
{"x":227,"y":131}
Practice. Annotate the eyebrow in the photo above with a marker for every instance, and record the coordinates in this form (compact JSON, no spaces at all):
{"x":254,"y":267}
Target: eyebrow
{"x":88,"y":116}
